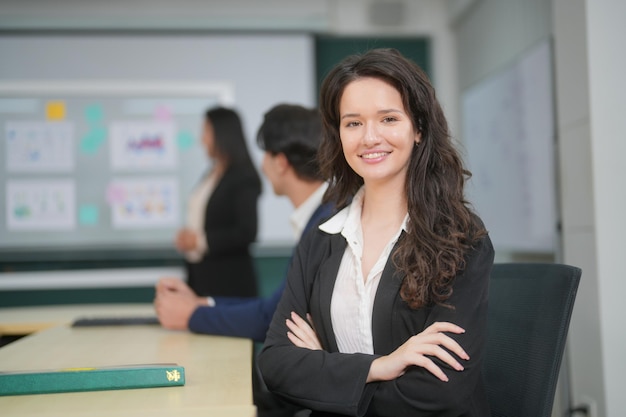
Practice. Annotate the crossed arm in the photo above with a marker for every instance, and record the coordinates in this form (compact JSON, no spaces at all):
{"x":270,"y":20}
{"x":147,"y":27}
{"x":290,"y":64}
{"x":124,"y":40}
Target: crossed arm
{"x":416,"y":351}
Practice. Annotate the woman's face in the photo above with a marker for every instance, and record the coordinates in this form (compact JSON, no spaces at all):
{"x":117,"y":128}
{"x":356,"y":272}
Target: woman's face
{"x":208,"y":139}
{"x":376,"y":132}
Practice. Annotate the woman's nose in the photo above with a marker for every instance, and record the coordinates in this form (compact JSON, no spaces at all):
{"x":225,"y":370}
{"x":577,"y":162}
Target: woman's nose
{"x":370,"y":135}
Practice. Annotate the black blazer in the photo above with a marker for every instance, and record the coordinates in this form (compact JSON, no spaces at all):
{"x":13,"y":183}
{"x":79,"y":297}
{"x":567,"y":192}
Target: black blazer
{"x":230,"y":226}
{"x":332,"y":383}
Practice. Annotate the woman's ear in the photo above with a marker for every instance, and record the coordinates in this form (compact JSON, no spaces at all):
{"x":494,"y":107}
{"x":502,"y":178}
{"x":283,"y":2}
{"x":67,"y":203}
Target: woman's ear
{"x":418,"y":138}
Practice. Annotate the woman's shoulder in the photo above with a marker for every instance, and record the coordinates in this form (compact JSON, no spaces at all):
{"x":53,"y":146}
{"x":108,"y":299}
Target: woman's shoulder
{"x":482,"y":232}
{"x":317,"y":244}
{"x":481,"y":254}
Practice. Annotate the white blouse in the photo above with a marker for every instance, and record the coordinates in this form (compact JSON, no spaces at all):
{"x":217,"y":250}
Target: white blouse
{"x":196,"y":210}
{"x":353,"y":296}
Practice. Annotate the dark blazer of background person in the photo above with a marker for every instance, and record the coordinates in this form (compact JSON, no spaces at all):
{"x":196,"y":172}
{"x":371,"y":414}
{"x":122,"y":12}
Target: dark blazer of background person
{"x":230,"y":216}
{"x":230,"y":227}
{"x":235,"y":317}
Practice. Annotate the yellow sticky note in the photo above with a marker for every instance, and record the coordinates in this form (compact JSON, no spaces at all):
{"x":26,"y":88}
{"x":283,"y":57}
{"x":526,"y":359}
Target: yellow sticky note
{"x":55,"y":110}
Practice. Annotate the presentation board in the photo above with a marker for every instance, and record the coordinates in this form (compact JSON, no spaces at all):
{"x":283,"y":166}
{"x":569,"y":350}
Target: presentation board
{"x":101,"y":164}
{"x":101,"y":133}
{"x":509,"y":135}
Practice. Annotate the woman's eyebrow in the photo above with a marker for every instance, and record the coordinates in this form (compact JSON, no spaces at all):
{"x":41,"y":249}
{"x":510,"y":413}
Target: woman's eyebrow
{"x":383,"y":111}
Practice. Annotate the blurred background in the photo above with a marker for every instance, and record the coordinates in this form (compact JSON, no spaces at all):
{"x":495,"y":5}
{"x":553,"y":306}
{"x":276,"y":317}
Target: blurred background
{"x":532,"y":89}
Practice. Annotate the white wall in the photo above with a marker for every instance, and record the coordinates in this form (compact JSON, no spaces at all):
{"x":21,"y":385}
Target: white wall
{"x":491,"y":34}
{"x":576,"y":172}
{"x":607,"y":98}
{"x":165,"y":14}
{"x":591,"y":97}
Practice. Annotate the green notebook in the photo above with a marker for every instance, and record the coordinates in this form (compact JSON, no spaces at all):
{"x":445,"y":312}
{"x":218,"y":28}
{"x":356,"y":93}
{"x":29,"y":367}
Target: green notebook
{"x":91,"y":379}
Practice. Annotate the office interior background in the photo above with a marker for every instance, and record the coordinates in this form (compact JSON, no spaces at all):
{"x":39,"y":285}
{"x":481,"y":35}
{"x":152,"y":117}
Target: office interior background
{"x":470,"y":44}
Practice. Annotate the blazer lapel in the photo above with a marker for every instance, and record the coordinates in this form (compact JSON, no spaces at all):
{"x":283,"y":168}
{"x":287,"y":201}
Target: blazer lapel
{"x":383,"y":314}
{"x":327,"y":277}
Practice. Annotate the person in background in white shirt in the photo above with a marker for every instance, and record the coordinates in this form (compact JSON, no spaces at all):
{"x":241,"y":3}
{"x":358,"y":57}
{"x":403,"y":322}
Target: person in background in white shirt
{"x":385,"y":308}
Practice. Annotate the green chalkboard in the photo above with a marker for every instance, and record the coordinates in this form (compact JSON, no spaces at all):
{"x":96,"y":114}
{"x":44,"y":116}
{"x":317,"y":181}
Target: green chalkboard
{"x":329,"y":50}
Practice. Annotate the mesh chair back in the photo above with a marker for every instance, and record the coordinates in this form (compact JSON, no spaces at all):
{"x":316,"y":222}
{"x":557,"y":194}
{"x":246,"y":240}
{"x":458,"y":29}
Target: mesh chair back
{"x":530,"y":306}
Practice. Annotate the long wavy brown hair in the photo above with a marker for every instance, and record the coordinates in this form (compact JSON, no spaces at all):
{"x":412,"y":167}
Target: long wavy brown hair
{"x":442,"y":227}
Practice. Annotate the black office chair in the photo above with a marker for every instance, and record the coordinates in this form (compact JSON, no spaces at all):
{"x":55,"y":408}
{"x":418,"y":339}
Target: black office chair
{"x":530,"y":305}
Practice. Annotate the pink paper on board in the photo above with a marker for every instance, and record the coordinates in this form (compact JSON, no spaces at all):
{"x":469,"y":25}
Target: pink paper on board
{"x":115,"y":194}
{"x":163,"y":113}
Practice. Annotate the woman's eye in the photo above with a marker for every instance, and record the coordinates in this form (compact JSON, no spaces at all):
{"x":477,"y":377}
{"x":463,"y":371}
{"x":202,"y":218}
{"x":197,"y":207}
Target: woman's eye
{"x":389,"y":119}
{"x":352,"y":124}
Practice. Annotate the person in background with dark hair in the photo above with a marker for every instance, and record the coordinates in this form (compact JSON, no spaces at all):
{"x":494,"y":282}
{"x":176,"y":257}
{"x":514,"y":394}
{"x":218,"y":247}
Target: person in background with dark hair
{"x":222,"y":213}
{"x":385,"y":308}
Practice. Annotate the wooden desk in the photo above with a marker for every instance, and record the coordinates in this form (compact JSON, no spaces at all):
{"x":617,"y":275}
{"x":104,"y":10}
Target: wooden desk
{"x":217,"y":369}
{"x":17,"y":321}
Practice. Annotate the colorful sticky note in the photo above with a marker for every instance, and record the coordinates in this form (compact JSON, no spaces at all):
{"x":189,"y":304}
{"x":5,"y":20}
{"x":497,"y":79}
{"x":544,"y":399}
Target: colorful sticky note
{"x":184,"y":140}
{"x":93,"y":139}
{"x":94,"y":113}
{"x":88,"y":214}
{"x":55,"y":110}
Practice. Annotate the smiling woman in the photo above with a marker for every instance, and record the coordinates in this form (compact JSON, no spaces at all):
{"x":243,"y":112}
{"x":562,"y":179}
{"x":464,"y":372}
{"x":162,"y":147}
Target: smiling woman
{"x":384,"y":313}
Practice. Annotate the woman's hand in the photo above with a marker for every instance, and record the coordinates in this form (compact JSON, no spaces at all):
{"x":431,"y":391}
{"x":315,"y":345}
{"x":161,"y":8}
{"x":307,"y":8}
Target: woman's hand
{"x":301,"y":333}
{"x":416,"y":351}
{"x":186,"y":240}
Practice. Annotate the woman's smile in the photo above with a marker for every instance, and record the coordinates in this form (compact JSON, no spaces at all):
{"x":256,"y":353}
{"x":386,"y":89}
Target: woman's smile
{"x":374,"y":156}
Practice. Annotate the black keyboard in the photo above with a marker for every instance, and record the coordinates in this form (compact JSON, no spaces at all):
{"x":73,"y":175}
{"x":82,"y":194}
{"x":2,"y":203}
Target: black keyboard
{"x":114,"y":321}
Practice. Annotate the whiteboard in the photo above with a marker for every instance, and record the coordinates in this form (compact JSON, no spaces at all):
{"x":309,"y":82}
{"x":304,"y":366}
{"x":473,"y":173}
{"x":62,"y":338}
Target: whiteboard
{"x":101,"y":164}
{"x":89,"y":90}
{"x":509,"y":134}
